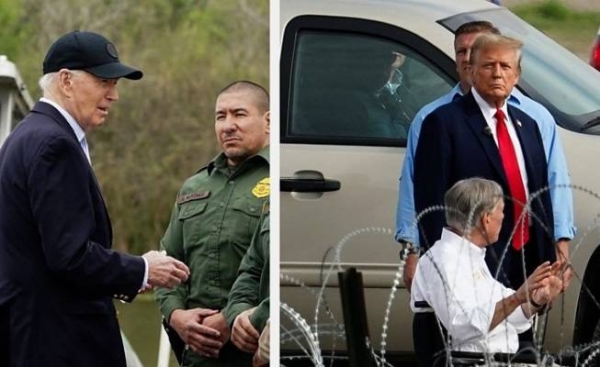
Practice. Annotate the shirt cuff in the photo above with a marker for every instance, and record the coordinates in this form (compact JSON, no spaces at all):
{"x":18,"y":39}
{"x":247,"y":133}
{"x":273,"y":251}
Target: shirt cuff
{"x":233,"y":310}
{"x":519,"y":320}
{"x":518,"y":317}
{"x":567,"y":232}
{"x":259,"y":317}
{"x":406,"y":236}
{"x":168,"y":309}
{"x":145,"y":282}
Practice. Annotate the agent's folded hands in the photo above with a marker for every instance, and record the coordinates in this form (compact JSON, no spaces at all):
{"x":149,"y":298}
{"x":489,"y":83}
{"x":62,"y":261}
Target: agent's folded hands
{"x":217,"y":323}
{"x":201,"y":339}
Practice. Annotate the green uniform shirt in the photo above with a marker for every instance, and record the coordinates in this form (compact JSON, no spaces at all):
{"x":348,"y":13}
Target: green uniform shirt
{"x":251,"y":288}
{"x":211,"y":226}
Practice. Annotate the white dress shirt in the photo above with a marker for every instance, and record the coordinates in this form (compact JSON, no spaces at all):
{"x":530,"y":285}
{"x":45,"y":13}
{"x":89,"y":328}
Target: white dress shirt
{"x":453,"y":278}
{"x":79,"y":133}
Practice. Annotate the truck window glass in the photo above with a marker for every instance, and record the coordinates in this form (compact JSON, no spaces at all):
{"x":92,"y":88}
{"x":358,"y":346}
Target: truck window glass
{"x":358,"y":87}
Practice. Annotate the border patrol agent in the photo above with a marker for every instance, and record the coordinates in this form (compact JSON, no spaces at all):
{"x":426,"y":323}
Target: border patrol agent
{"x":211,"y":227}
{"x":248,"y":308}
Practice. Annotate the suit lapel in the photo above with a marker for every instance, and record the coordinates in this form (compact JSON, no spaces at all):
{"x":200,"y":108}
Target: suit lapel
{"x":479,"y":126}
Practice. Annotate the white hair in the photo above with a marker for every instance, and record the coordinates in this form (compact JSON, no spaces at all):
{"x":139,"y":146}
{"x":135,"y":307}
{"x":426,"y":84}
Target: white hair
{"x":468,"y":200}
{"x":47,"y":81}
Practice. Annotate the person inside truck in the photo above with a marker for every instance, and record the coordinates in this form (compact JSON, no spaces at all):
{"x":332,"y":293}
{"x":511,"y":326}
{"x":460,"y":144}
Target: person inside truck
{"x":354,"y":93}
{"x":377,"y":85}
{"x":397,"y":95}
{"x":452,"y":277}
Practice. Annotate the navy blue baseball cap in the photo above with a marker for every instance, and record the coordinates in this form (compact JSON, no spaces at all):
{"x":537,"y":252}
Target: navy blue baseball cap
{"x":88,"y":51}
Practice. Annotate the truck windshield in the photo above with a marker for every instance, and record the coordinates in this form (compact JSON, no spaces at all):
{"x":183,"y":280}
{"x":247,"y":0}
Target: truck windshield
{"x":551,"y":75}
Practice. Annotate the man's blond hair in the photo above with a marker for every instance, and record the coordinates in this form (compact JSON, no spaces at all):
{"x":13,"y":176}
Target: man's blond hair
{"x":486,"y":41}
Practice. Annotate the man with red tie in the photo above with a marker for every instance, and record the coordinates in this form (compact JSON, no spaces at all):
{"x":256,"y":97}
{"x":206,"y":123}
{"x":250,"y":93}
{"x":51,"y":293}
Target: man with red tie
{"x":480,"y":135}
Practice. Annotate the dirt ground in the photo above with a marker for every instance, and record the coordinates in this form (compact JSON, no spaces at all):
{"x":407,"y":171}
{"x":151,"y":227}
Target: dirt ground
{"x":575,"y":4}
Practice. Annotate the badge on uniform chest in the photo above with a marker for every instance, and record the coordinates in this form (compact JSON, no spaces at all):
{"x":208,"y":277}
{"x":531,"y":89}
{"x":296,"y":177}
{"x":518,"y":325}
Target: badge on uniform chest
{"x":262,"y":188}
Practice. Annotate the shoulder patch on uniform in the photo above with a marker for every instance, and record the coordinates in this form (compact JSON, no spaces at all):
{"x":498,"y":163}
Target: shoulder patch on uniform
{"x":193,"y":196}
{"x":262,"y":188}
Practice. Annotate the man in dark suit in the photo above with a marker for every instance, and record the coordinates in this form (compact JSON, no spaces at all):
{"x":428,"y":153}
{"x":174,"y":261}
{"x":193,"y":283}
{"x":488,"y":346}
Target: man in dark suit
{"x":58,"y":274}
{"x":480,"y":135}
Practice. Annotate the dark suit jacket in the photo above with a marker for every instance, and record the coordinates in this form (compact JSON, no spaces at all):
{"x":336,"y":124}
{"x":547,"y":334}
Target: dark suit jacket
{"x":453,"y":145}
{"x":57,"y":272}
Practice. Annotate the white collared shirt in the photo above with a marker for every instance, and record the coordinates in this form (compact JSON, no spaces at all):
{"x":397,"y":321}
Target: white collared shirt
{"x":488,"y":113}
{"x":453,"y":278}
{"x":79,"y":133}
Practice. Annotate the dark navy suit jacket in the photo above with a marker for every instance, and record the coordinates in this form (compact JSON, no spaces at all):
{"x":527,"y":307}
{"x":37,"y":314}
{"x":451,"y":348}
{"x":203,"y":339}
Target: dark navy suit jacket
{"x":454,"y":145}
{"x":58,"y":273}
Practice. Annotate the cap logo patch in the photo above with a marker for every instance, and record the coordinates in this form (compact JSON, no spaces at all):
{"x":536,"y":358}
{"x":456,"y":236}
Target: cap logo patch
{"x":112,"y":51}
{"x":262,"y":188}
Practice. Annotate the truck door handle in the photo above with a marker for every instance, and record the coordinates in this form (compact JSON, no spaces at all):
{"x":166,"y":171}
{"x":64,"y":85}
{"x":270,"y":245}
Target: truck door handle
{"x":289,"y":184}
{"x":308,"y":181}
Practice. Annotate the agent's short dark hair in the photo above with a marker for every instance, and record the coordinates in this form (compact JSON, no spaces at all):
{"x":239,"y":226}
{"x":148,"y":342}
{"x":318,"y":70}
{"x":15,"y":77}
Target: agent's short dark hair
{"x":260,"y":94}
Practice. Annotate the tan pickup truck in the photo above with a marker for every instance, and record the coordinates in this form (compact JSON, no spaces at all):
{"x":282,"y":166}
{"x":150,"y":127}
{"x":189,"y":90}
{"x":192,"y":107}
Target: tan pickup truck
{"x":341,"y":157}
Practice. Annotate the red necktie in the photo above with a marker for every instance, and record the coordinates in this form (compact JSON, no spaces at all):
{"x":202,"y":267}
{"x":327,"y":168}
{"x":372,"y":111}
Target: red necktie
{"x":515,"y":182}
